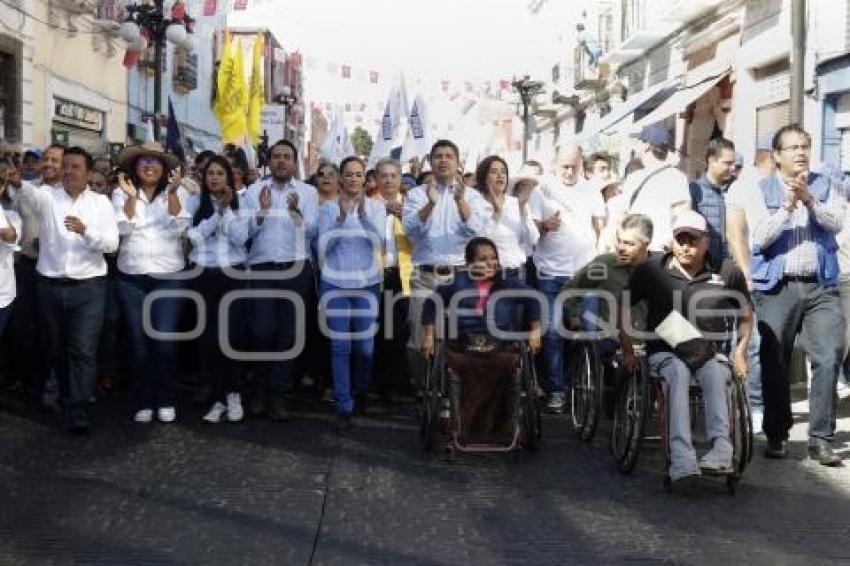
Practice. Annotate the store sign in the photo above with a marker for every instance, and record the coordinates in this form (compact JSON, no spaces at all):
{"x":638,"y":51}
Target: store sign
{"x":77,"y":115}
{"x":273,"y":119}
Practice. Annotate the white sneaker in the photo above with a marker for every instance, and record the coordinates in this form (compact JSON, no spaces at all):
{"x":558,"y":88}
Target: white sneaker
{"x":719,"y":459}
{"x":234,"y":408}
{"x":166,"y":414}
{"x":843,"y":389}
{"x":143,"y":416}
{"x":681,"y":470}
{"x":215,"y":413}
{"x":758,"y":419}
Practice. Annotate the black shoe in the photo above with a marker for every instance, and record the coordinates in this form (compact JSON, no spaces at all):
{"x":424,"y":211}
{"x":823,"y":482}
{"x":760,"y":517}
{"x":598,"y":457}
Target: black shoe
{"x":79,"y":427}
{"x":361,"y":404}
{"x":344,"y":421}
{"x":775,"y":449}
{"x":278,"y":412}
{"x":257,"y":405}
{"x":824,"y":455}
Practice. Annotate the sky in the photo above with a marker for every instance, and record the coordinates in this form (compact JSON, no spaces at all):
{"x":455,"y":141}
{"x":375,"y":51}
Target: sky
{"x":456,"y":39}
{"x":429,"y":40}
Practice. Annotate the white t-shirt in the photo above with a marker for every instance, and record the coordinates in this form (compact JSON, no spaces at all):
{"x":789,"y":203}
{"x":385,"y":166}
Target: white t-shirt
{"x":569,"y":248}
{"x":662,"y":190}
{"x":512,"y":233}
{"x":7,"y":258}
{"x":744,"y":194}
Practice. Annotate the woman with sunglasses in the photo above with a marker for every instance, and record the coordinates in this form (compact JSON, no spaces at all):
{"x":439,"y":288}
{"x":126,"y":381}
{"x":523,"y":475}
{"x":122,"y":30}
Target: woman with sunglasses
{"x":152,"y":219}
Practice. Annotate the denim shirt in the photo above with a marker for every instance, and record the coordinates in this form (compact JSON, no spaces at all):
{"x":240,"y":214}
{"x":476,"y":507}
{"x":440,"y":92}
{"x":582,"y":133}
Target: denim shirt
{"x":349,"y":252}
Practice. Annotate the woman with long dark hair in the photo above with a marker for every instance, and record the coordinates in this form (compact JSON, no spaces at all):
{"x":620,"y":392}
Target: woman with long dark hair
{"x":511,"y":226}
{"x":218,"y":235}
{"x":152,"y":219}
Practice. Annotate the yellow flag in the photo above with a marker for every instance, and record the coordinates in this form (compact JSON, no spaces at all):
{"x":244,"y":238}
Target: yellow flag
{"x":255,"y":97}
{"x":231,"y":101}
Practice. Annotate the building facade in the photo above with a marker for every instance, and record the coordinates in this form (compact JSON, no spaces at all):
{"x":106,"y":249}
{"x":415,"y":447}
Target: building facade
{"x":62,"y":78}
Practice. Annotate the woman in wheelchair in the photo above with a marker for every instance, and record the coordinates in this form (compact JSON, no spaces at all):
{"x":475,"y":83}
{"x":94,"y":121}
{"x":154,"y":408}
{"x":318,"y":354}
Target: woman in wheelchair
{"x":689,"y":308}
{"x":478,"y":306}
{"x":468,"y":295}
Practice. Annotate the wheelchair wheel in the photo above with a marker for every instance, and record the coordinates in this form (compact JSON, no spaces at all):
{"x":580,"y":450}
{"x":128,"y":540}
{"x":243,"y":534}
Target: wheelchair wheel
{"x":530,"y":414}
{"x":584,"y":374}
{"x":429,"y":420}
{"x":630,"y":416}
{"x":741,"y":426}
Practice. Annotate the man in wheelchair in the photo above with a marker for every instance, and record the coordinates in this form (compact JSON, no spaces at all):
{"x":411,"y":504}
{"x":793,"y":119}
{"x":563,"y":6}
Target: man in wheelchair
{"x":689,"y":307}
{"x":478,"y":305}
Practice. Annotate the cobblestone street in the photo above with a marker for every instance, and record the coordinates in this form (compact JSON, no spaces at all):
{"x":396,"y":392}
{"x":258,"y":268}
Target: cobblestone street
{"x":299,"y":493}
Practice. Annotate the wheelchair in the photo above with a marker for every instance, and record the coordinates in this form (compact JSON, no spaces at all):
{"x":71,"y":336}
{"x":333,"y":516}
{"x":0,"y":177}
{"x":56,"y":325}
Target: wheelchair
{"x":640,"y":399}
{"x":480,"y":395}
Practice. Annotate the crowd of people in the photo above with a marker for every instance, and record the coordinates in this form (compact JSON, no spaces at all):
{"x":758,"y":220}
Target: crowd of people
{"x":142,"y":268}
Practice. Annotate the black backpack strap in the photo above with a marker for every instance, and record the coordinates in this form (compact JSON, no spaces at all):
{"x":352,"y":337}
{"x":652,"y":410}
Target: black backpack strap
{"x":640,"y":187}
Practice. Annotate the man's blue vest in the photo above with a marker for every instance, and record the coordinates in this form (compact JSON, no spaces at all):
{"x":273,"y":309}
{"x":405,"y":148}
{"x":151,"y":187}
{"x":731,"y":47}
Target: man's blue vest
{"x":768,"y":265}
{"x":711,"y":203}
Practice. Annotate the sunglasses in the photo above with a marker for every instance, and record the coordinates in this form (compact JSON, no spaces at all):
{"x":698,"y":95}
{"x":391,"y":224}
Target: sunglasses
{"x":147,"y":160}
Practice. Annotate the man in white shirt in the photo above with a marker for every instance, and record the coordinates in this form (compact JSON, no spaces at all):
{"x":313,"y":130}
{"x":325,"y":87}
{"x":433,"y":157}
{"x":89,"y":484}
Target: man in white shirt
{"x":743,"y":211}
{"x":659,"y":190}
{"x":570,"y":215}
{"x":284,"y":212}
{"x":76,"y":227}
{"x":439,"y":219}
{"x":25,"y":332}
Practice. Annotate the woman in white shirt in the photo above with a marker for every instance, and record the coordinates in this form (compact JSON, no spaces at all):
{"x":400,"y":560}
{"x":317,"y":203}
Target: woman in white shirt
{"x":510,"y":226}
{"x":152,"y":220}
{"x":218,"y":235}
{"x":10,"y":231}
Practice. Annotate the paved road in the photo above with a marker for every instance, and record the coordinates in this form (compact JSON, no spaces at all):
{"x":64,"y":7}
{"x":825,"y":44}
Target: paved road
{"x":299,"y":493}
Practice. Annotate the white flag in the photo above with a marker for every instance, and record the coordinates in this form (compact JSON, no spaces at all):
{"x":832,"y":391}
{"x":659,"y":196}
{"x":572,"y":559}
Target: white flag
{"x":394,"y":113}
{"x":149,"y":136}
{"x":337,"y":146}
{"x":419,"y":135}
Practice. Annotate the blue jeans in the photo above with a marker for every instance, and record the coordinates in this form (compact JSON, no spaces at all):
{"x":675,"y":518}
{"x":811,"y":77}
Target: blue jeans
{"x":72,"y":319}
{"x":754,"y":362}
{"x":553,"y":348}
{"x":351,"y":358}
{"x":155,"y":362}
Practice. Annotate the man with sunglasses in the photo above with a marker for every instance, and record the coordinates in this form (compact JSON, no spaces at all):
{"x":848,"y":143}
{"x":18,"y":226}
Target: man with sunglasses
{"x":688,"y":306}
{"x":795,"y":283}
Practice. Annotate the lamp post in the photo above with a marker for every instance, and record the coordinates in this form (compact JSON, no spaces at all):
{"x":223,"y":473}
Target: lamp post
{"x":148,"y":21}
{"x":527,"y":90}
{"x":288,"y":100}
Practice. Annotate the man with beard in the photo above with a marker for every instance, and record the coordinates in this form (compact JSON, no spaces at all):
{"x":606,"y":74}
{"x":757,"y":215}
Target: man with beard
{"x":708,"y":195}
{"x":283,"y":220}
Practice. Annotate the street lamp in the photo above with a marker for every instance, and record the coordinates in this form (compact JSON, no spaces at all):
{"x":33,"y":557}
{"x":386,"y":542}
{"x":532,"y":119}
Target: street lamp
{"x":527,"y":90}
{"x":146,"y":22}
{"x":288,"y":100}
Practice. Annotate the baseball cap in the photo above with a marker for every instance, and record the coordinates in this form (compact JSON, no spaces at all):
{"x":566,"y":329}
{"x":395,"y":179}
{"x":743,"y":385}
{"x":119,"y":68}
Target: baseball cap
{"x":689,"y":221}
{"x":654,"y":134}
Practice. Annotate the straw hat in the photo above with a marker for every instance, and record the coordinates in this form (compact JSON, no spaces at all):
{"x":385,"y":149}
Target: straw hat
{"x":129,"y":155}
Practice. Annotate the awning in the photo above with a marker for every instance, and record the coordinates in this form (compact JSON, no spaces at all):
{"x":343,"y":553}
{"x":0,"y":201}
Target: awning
{"x":679,"y":101}
{"x":622,"y":114}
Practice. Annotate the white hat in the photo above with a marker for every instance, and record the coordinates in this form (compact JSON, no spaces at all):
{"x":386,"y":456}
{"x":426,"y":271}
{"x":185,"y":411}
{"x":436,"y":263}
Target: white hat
{"x":689,"y":221}
{"x":525,"y":173}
